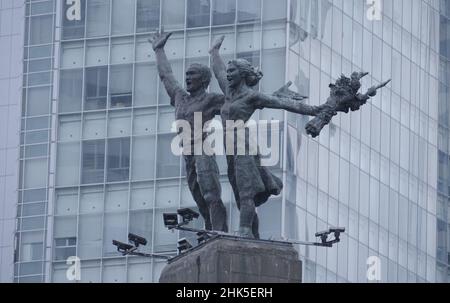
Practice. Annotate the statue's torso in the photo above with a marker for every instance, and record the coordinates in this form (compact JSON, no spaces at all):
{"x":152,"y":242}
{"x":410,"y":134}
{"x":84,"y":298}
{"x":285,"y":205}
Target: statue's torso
{"x":207,"y":104}
{"x":238,"y":107}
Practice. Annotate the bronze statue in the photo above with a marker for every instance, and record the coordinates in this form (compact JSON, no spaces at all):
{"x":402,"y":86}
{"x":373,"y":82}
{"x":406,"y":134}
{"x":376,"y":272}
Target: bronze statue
{"x":252,"y":183}
{"x":202,"y":172}
{"x":344,"y":97}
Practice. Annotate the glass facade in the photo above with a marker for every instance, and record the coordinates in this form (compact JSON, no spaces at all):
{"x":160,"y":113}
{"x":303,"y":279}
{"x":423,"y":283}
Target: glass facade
{"x":11,"y":38}
{"x":96,"y":118}
{"x":373,"y":171}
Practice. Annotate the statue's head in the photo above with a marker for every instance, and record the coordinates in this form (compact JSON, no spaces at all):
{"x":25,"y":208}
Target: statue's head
{"x":198,"y":76}
{"x":241,"y":70}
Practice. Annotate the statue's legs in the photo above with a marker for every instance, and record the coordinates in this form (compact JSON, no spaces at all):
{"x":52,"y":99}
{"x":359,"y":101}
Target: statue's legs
{"x":246,"y":218}
{"x":255,"y":226}
{"x":209,"y":183}
{"x":194,"y":187}
{"x":249,"y":230}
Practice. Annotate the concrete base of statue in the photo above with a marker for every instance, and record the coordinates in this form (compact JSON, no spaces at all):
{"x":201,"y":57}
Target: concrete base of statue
{"x":228,"y":259}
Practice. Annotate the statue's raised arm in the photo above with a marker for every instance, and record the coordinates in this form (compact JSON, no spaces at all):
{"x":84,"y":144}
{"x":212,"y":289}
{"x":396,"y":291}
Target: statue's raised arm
{"x":165,"y":72}
{"x":344,"y":97}
{"x":218,"y":66}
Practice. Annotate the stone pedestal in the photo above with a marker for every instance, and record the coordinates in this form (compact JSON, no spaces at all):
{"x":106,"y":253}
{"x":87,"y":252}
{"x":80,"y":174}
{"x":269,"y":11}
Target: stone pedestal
{"x":228,"y":259}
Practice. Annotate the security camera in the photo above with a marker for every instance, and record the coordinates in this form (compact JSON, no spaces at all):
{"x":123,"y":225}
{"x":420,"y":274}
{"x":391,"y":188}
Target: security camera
{"x":170,"y":220}
{"x":137,"y":240}
{"x":202,"y":237}
{"x":122,"y":247}
{"x":337,"y":232}
{"x":324,"y":233}
{"x":337,"y":229}
{"x":183,"y":245}
{"x":188,"y":214}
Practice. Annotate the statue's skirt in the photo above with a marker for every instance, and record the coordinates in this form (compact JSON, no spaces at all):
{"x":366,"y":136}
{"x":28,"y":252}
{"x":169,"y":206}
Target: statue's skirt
{"x":250,"y":180}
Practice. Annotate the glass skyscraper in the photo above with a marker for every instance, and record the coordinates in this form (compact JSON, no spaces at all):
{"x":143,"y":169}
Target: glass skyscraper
{"x":86,"y":133}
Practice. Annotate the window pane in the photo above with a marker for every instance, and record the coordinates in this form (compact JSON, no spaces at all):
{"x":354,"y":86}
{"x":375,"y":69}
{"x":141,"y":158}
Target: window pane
{"x":122,"y":50}
{"x":35,"y":173}
{"x":173,"y":14}
{"x":32,"y":268}
{"x":40,"y":51}
{"x":70,"y":90}
{"x":69,"y":127}
{"x":121,"y":86}
{"x":115,"y":228}
{"x":34,"y":195}
{"x":90,"y":237}
{"x":37,"y":137}
{"x":31,"y":247}
{"x":98,"y":18}
{"x":73,"y":23}
{"x":168,"y":164}
{"x":96,"y":88}
{"x":198,"y":13}
{"x":39,"y":78}
{"x":41,"y":29}
{"x":33,"y":223}
{"x":147,"y":15}
{"x":40,"y":65}
{"x":141,"y":223}
{"x":38,"y":101}
{"x":123,"y":16}
{"x":93,"y":161}
{"x":65,"y":227}
{"x":66,"y":201}
{"x":97,"y":52}
{"x":274,"y":10}
{"x":249,"y":10}
{"x":92,"y":199}
{"x":143,"y":158}
{"x":68,"y":163}
{"x":224,"y":11}
{"x":72,"y":55}
{"x":145,"y":85}
{"x":34,"y":209}
{"x":118,"y":159}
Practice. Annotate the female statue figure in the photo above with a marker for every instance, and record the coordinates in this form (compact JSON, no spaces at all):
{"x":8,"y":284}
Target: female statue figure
{"x":252,"y":183}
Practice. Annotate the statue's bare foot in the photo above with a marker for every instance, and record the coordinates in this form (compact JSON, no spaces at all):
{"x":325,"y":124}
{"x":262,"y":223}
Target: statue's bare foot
{"x":246,"y":232}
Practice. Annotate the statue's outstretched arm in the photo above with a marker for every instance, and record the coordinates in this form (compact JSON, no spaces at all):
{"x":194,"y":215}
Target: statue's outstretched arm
{"x":287,"y":100}
{"x":218,"y":66}
{"x":164,"y":69}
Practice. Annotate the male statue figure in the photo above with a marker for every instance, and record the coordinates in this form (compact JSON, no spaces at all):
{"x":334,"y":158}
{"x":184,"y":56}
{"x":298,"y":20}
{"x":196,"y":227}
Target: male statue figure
{"x":202,"y":172}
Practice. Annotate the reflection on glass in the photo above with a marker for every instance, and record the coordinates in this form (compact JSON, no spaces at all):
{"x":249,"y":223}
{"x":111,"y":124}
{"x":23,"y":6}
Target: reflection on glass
{"x":93,"y":161}
{"x":121,"y":86}
{"x":118,"y":159}
{"x":70,"y":87}
{"x":223,"y":12}
{"x":198,"y":13}
{"x":147,"y":15}
{"x":74,"y":21}
{"x":96,"y":88}
{"x":249,"y":10}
